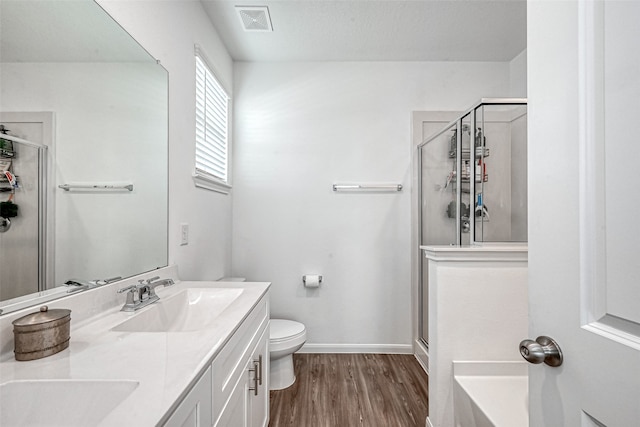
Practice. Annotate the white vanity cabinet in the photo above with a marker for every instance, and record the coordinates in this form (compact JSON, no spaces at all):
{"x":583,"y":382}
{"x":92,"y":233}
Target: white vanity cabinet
{"x":238,"y":380}
{"x":195,"y":408}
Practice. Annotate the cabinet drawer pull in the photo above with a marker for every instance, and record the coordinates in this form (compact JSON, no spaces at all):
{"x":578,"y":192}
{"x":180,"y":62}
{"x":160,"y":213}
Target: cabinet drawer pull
{"x":259,"y":373}
{"x":255,"y":379}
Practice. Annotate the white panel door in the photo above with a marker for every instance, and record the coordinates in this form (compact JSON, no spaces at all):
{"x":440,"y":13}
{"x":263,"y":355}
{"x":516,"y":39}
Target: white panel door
{"x":584,"y":159}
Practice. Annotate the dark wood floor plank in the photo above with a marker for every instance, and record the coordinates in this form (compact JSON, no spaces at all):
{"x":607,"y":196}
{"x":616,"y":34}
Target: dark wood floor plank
{"x":345,"y":390}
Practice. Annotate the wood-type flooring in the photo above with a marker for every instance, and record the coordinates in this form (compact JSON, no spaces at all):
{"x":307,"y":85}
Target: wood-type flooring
{"x":344,"y":390}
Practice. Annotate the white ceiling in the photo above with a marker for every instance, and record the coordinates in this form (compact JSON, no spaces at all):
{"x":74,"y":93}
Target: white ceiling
{"x":376,"y":30}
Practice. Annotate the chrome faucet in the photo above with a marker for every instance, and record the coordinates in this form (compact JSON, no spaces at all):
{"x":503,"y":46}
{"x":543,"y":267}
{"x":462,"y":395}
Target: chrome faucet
{"x":143,"y":294}
{"x":154,"y":282}
{"x":80,"y":285}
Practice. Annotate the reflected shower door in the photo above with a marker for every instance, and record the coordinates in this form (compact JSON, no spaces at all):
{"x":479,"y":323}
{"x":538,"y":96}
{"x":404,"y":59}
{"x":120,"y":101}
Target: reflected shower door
{"x":22,"y":253}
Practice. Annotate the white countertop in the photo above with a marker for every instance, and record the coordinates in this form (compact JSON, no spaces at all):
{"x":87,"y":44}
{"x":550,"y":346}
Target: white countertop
{"x":478,"y":252}
{"x":165,"y":364}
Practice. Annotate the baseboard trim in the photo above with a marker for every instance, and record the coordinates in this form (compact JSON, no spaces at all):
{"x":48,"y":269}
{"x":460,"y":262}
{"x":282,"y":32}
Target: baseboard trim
{"x":357,"y":348}
{"x":422,"y":355}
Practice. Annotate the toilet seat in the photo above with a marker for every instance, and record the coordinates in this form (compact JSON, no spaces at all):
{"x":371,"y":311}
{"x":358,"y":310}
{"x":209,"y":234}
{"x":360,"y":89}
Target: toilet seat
{"x":285,"y":335}
{"x":284,"y":330}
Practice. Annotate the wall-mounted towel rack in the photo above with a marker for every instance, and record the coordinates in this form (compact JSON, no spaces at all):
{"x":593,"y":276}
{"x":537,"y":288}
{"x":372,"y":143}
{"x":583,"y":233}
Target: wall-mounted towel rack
{"x":367,"y":187}
{"x":99,"y":187}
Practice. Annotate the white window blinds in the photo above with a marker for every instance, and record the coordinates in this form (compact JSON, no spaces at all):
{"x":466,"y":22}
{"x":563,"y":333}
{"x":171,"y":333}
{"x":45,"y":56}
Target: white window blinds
{"x":212,"y":125}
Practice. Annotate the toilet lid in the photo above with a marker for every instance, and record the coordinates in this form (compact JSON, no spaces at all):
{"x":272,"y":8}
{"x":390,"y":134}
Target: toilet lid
{"x":282,"y":329}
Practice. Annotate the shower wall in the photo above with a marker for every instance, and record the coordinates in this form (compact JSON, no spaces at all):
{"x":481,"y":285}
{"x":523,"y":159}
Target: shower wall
{"x":519,"y":207}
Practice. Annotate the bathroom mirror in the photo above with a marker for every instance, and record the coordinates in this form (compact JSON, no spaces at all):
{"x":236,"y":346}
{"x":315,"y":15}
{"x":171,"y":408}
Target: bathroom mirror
{"x":73,"y":79}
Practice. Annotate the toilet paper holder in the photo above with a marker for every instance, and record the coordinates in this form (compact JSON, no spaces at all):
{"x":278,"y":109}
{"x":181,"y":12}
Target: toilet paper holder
{"x":311,"y":277}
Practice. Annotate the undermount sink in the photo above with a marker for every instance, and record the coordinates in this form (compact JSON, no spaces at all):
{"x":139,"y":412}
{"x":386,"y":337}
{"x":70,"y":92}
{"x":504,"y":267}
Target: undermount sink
{"x":60,"y":402}
{"x":192,"y":309}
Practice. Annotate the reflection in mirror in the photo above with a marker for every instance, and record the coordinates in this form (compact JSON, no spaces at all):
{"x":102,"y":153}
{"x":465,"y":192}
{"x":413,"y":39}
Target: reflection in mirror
{"x":73,"y":80}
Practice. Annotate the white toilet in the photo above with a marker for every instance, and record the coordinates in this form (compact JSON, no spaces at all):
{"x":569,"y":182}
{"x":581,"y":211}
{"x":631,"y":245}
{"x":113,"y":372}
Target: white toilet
{"x":285,"y":338}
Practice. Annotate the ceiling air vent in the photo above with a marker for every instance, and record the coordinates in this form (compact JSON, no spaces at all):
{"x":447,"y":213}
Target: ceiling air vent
{"x":255,"y":18}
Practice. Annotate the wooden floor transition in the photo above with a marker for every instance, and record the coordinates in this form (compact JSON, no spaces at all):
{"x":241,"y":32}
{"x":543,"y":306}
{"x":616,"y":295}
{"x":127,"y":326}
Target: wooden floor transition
{"x":344,"y":390}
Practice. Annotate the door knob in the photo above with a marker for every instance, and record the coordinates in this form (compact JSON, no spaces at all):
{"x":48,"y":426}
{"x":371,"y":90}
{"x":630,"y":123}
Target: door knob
{"x":543,"y":349}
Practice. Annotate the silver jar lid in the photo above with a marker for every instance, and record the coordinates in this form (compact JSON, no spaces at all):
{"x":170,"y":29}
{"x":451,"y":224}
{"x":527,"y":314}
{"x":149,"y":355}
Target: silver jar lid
{"x":43,"y":316}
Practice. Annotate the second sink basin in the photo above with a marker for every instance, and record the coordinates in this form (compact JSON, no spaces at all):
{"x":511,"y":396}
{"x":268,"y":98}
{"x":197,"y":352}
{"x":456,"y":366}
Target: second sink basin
{"x":60,"y":402}
{"x":192,"y":309}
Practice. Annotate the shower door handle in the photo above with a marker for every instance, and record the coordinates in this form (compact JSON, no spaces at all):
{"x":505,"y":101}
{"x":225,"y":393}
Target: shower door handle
{"x":543,"y":349}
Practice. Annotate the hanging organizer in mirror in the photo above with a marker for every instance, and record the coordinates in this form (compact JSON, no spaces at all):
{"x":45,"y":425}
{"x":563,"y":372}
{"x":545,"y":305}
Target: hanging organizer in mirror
{"x":8,"y":181}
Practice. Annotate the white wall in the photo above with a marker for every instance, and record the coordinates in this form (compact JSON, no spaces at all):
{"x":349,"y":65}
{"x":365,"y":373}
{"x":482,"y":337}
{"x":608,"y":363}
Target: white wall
{"x":169,"y":30}
{"x":518,"y":75}
{"x":300,"y":127}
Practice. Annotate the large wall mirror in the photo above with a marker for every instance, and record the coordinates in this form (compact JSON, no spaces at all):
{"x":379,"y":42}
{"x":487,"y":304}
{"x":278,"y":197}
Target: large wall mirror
{"x":77,"y":87}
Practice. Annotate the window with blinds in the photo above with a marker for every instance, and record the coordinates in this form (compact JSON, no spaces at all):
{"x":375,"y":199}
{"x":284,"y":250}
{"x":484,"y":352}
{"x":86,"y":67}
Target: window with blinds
{"x":212,"y":127}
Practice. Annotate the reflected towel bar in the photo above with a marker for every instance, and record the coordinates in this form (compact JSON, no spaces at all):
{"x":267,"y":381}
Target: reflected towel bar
{"x":389,"y":187}
{"x":68,"y":187}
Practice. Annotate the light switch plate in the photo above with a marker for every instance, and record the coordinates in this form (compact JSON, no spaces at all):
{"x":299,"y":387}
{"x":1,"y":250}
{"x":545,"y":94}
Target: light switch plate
{"x":184,"y":234}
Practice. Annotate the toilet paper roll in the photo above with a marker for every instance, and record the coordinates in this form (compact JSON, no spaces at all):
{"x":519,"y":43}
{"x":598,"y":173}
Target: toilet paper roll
{"x":312,"y":280}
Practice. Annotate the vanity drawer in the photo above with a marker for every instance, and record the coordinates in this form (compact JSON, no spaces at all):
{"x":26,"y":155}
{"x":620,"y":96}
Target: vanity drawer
{"x":229,"y":365}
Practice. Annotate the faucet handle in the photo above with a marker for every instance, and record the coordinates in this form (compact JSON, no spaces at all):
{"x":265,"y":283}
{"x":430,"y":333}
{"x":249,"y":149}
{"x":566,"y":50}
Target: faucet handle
{"x":100,"y":282}
{"x":132,"y":297}
{"x":151,"y":280}
{"x":153,"y":285}
{"x":131,"y":288}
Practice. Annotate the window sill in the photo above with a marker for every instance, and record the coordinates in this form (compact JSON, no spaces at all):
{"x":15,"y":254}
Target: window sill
{"x":207,"y":183}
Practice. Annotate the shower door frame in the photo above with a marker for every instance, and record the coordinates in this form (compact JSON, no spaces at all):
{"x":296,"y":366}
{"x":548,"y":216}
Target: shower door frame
{"x":46,"y":184}
{"x":435,"y":119}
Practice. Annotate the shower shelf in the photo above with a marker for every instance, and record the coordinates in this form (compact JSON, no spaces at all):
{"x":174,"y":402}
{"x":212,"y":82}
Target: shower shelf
{"x":465,"y":154}
{"x":4,"y":182}
{"x":466,"y":180}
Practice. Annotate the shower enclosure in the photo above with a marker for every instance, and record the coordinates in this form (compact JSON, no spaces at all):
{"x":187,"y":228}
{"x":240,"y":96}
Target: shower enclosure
{"x":472,"y":184}
{"x":23,"y":204}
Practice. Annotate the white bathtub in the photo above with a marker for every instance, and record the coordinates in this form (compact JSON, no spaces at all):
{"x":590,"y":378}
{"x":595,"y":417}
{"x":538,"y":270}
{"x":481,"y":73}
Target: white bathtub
{"x":490,"y":394}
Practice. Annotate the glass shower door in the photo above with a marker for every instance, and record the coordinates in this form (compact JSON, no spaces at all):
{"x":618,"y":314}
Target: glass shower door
{"x":22,"y":211}
{"x":438,"y":189}
{"x":438,"y":183}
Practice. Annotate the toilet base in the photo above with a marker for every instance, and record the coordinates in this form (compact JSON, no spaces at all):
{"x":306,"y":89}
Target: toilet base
{"x":281,"y":373}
